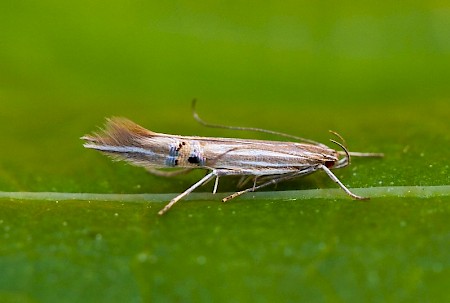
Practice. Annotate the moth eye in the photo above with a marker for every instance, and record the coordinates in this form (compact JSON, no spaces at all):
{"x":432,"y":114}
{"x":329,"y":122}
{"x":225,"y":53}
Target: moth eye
{"x":329,"y":164}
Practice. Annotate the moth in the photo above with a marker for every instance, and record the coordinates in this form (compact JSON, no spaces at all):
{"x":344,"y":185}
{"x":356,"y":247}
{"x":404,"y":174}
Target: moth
{"x":263,"y":161}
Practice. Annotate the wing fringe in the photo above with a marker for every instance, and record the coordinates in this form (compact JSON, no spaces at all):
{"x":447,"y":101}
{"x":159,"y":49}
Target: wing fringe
{"x":118,"y":132}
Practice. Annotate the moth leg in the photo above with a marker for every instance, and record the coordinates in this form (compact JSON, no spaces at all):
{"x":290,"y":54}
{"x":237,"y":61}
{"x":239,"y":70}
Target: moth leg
{"x":335,"y":179}
{"x":253,"y":188}
{"x":359,"y":154}
{"x":274,"y":180}
{"x":202,"y":181}
{"x":254,"y":182}
{"x":243,"y":180}
{"x":216,"y":184}
{"x":168,"y":174}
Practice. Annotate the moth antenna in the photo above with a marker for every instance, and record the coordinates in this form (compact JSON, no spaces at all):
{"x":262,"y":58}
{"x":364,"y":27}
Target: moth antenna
{"x":253,"y":129}
{"x":354,"y":154}
{"x":347,"y":154}
{"x":339,"y":136}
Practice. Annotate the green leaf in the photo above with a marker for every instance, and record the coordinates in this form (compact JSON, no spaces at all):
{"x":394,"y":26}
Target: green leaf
{"x":77,"y":227}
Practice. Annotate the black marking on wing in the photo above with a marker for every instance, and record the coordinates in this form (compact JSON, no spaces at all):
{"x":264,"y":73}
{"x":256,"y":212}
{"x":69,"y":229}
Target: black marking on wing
{"x":194,"y":160}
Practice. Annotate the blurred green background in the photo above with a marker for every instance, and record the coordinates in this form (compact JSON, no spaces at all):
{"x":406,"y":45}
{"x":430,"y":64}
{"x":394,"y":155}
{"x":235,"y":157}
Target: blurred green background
{"x":378,"y":73}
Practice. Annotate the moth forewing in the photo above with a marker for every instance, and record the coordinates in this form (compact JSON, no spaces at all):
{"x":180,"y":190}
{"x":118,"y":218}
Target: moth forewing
{"x":122,"y":139}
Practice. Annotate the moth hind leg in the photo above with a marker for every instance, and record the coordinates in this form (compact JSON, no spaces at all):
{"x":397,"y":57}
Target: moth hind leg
{"x":168,"y":174}
{"x":274,"y":180}
{"x":243,"y":181}
{"x":246,"y":179}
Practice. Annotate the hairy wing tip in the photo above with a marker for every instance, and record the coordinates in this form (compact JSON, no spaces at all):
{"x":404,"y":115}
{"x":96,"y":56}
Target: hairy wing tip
{"x":89,"y":145}
{"x":117,"y":131}
{"x":87,"y":138}
{"x":118,"y":120}
{"x":120,"y":124}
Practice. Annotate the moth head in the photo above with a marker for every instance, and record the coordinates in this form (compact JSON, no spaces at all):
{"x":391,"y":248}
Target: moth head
{"x":330,"y":163}
{"x":343,"y":161}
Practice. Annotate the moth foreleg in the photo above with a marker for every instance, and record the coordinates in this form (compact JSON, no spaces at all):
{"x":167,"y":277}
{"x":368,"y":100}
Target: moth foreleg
{"x":202,"y":181}
{"x":359,"y":154}
{"x":335,"y":179}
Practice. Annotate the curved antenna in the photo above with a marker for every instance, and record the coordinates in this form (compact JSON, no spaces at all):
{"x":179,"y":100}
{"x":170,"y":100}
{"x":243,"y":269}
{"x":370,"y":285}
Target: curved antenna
{"x":254,"y":129}
{"x":344,"y":161}
{"x":355,"y":154}
{"x":339,"y":136}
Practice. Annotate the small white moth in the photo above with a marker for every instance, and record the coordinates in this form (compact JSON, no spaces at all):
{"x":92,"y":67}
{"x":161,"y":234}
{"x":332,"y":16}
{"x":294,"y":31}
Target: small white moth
{"x":266,"y":162}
